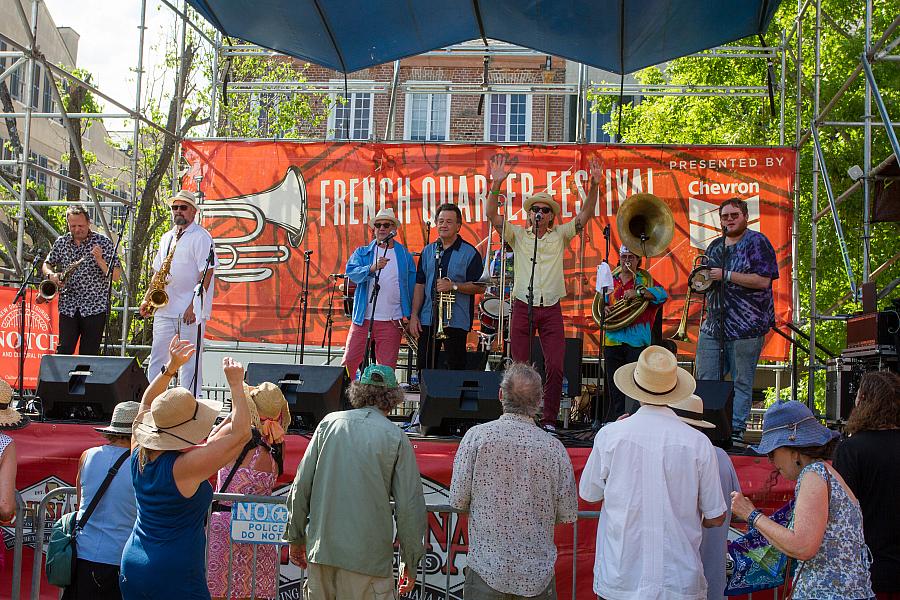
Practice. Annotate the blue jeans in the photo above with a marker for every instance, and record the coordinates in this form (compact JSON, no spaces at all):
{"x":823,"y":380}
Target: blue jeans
{"x":741,"y":357}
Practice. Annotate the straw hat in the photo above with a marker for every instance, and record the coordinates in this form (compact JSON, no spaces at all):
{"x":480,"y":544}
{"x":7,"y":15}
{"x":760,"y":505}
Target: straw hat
{"x":10,"y":418}
{"x":690,"y":410}
{"x":184,"y":196}
{"x":176,"y":420}
{"x":385,"y":214}
{"x":122,"y":419}
{"x":792,"y":424}
{"x":543,"y":198}
{"x":266,"y":401}
{"x":655,"y":378}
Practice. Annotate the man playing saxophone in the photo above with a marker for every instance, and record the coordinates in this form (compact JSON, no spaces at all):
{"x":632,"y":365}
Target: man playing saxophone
{"x":631,"y":286}
{"x":184,"y":250}
{"x":448,"y":269}
{"x":82,"y":287}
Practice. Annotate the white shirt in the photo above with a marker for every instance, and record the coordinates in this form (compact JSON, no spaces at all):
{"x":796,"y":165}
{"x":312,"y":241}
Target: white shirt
{"x":658,"y":478}
{"x":388,"y":306}
{"x":188,"y":264}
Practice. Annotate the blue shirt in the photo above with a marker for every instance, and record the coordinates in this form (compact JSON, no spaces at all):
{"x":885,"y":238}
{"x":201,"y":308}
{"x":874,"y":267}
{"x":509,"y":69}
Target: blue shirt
{"x":461,"y":262}
{"x":106,"y":532}
{"x":358,"y":271}
{"x":749,"y":313}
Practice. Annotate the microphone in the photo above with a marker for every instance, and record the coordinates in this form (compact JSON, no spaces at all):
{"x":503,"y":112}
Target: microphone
{"x":338,"y":276}
{"x":388,"y":237}
{"x":307,"y":253}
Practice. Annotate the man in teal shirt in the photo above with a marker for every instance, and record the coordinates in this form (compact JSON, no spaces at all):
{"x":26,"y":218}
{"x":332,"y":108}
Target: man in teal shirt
{"x":340,"y":527}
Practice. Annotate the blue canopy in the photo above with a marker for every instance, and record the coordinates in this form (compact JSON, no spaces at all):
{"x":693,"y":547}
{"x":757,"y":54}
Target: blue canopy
{"x":620,"y":36}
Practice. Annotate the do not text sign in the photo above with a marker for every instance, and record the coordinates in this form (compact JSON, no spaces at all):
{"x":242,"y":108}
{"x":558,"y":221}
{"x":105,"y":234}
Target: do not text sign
{"x":258,"y":522}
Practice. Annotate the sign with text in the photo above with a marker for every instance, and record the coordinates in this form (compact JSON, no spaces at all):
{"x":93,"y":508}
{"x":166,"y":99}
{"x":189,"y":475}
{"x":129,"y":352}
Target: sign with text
{"x":41,"y":335}
{"x":258,"y":522}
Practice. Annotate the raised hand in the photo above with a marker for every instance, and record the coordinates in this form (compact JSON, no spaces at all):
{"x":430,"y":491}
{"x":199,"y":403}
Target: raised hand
{"x":499,"y":167}
{"x":596,"y":171}
{"x":234,"y":371}
{"x":180,"y":351}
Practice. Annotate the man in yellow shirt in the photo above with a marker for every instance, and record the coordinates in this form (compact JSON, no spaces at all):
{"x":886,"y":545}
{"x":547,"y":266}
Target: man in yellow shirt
{"x":549,"y":285}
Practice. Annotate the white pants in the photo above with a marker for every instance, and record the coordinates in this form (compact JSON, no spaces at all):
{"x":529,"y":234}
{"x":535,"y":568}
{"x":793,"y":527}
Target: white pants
{"x":164,"y":329}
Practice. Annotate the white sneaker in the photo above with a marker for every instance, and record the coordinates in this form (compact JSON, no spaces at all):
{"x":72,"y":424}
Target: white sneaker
{"x":548,"y":427}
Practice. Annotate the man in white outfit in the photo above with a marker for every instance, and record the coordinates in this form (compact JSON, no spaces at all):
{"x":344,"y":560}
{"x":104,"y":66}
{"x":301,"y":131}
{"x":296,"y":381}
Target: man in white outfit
{"x":183,"y":315}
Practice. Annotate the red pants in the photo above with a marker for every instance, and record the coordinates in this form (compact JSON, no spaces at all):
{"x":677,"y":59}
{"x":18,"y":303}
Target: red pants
{"x":548,"y":323}
{"x":386,"y":335}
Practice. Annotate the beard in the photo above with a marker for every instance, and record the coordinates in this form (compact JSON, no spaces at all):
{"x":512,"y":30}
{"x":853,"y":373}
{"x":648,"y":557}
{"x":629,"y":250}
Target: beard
{"x":736,"y":230}
{"x":179,"y":220}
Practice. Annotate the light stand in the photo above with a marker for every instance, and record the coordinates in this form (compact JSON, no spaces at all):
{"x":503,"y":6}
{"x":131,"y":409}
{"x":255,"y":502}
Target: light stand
{"x":304,"y":300}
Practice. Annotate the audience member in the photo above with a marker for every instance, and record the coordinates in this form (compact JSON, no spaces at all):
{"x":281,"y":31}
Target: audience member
{"x":253,"y":472}
{"x":340,"y":526}
{"x":9,"y":419}
{"x":659,"y":484}
{"x":827,"y":534}
{"x":714,"y":544}
{"x":516,"y":482}
{"x":165,"y":557}
{"x":869,"y":461}
{"x":99,"y":544}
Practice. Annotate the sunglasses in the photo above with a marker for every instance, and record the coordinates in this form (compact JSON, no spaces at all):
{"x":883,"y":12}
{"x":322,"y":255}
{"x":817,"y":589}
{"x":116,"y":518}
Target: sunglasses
{"x":179,"y":207}
{"x":541,"y":209}
{"x":383,"y":225}
{"x":730,"y":216}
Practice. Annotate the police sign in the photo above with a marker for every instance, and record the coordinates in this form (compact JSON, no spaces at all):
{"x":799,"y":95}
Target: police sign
{"x":258,"y":522}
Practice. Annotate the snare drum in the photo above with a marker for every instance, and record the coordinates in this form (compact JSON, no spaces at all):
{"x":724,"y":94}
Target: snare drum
{"x":490,"y":313}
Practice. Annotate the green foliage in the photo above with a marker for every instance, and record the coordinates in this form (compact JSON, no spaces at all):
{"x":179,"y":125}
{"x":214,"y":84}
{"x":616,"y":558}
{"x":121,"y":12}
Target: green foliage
{"x":750,"y":121}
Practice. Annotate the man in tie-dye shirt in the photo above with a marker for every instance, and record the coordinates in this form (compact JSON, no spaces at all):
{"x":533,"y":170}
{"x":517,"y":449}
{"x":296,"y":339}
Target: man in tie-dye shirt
{"x":745,"y":279}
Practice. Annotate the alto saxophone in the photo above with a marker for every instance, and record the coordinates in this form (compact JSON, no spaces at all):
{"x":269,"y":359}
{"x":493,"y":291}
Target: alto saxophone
{"x":156,"y":296}
{"x":48,"y":289}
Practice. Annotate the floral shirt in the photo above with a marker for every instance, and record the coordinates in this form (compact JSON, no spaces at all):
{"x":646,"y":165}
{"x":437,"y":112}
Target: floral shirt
{"x":85,"y":291}
{"x":517,"y":483}
{"x":749,"y":313}
{"x":840,"y":569}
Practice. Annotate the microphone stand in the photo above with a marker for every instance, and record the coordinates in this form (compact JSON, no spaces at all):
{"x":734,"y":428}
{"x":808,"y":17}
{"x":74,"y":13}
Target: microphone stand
{"x":722,"y":287}
{"x":373,"y":300}
{"x":21,"y":300}
{"x":304,"y":300}
{"x":329,"y":321}
{"x":601,"y":375}
{"x":198,"y":293}
{"x":109,"y":282}
{"x":537,"y":220}
{"x":432,"y":341}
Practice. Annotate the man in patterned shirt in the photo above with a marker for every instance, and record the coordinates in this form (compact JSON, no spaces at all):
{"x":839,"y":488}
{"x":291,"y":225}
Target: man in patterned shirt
{"x":517,"y":483}
{"x":745,"y":279}
{"x":83,"y":298}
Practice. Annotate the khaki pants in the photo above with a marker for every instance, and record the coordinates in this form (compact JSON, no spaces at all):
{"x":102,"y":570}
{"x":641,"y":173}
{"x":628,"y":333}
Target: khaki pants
{"x":475,"y":588}
{"x":324,"y":582}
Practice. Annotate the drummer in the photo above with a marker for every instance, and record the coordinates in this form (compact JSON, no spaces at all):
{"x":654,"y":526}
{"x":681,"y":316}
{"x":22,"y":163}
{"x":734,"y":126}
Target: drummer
{"x":449,"y":265}
{"x":493,"y":299}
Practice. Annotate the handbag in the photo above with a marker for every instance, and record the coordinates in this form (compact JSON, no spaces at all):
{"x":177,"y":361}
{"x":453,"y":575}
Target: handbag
{"x":61,"y":550}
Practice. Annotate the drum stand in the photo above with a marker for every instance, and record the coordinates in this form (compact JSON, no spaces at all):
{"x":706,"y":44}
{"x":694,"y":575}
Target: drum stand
{"x":329,"y":320}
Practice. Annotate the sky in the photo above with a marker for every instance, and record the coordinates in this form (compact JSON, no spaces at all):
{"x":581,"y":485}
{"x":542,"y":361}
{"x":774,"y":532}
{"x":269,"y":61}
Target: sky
{"x":108,"y":46}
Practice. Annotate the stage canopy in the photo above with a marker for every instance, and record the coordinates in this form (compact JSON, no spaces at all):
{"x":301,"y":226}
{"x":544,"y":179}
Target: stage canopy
{"x":614,"y":35}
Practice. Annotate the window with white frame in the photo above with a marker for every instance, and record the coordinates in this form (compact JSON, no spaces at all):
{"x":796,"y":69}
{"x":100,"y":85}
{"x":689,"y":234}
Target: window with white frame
{"x":351,"y":119}
{"x":36,"y":86}
{"x":508,"y":118}
{"x":427,"y":117}
{"x":47,"y":103}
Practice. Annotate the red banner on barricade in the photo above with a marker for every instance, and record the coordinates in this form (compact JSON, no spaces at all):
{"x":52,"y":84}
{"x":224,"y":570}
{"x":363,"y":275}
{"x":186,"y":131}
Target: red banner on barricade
{"x":48,"y":458}
{"x":41,"y":335}
{"x":268,"y":202}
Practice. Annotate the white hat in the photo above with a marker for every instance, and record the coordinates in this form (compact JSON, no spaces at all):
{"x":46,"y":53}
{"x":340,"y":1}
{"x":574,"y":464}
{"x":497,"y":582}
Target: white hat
{"x":690,"y":410}
{"x":543,"y":198}
{"x":184,"y":196}
{"x":385,"y":214}
{"x":655,"y":378}
{"x":122,"y":419}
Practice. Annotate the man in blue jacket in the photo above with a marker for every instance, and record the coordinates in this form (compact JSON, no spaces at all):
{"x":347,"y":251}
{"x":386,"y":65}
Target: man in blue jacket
{"x":395,"y":269}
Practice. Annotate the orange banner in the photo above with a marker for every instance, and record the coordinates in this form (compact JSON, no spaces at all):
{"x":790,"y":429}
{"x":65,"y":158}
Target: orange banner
{"x":268,"y":202}
{"x":41,"y":335}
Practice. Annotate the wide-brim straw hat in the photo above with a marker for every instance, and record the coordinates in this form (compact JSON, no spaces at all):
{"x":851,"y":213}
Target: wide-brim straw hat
{"x":184,"y":196}
{"x":122,"y":420}
{"x":266,"y":401}
{"x":792,"y":424}
{"x":10,"y":418}
{"x":690,"y":410}
{"x":655,"y":378}
{"x":176,"y":420}
{"x":385,"y":214}
{"x":543,"y":198}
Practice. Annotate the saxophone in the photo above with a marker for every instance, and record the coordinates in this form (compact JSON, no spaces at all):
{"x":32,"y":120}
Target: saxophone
{"x":156,"y":296}
{"x":47,"y":290}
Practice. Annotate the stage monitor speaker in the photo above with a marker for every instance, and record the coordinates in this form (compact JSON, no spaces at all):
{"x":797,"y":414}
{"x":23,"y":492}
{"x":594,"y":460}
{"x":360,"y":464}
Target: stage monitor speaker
{"x":453,"y":401}
{"x":571,"y":362}
{"x":312,"y":391}
{"x":718,"y":406}
{"x":842,"y":378}
{"x":87,"y":388}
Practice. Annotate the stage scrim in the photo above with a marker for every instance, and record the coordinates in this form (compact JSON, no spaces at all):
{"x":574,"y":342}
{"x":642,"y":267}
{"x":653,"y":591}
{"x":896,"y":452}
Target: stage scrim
{"x":267,"y":202}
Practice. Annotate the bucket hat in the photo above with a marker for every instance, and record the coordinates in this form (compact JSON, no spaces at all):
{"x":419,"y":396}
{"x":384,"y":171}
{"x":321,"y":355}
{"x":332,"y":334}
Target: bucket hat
{"x":10,"y":418}
{"x":122,"y":419}
{"x":792,"y":424}
{"x":655,"y":378}
{"x":690,"y":410}
{"x":176,"y":420}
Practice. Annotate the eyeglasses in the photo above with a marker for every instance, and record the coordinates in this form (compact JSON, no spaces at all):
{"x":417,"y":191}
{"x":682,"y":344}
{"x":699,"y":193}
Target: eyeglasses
{"x":541,"y":209}
{"x":730,"y":216}
{"x":383,"y":225}
{"x":177,"y":207}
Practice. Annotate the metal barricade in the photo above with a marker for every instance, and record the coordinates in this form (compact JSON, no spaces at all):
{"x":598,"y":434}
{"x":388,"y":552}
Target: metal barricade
{"x":39,"y":529}
{"x":18,"y":541}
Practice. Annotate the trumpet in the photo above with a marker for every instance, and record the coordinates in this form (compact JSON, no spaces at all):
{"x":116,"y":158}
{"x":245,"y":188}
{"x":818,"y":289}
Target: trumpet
{"x":48,"y":289}
{"x":445,"y":302}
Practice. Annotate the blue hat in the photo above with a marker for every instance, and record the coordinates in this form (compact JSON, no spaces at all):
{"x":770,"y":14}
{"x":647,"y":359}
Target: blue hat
{"x":380,"y":375}
{"x":792,"y":424}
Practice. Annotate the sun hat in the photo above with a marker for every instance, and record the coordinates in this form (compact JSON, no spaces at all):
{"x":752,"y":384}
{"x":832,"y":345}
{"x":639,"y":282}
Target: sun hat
{"x":385,"y":214}
{"x":690,"y":410}
{"x":380,"y":375}
{"x":176,"y":420}
{"x":269,"y":410}
{"x":543,"y":198}
{"x":792,"y":424}
{"x":122,"y":419}
{"x":10,"y":418}
{"x":655,"y":378}
{"x":184,"y":196}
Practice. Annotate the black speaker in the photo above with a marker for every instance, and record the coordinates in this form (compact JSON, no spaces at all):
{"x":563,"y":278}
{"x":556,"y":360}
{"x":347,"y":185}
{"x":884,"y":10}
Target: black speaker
{"x":87,"y":388}
{"x":312,"y":391}
{"x":571,"y":363}
{"x":718,"y":406}
{"x":453,"y":401}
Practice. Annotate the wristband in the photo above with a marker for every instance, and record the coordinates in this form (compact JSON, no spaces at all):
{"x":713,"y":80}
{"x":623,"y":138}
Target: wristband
{"x":753,"y":517}
{"x":166,"y":372}
{"x":728,"y":276}
{"x":497,"y":193}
